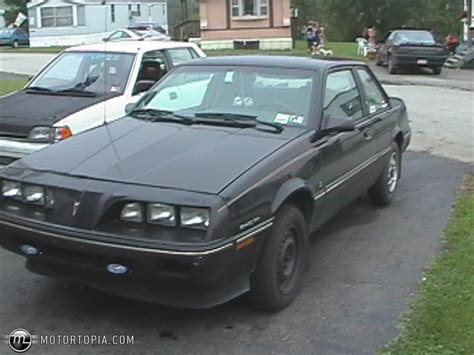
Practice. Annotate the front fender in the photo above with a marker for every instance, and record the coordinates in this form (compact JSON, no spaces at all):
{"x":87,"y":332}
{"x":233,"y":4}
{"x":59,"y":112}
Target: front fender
{"x":295,"y":185}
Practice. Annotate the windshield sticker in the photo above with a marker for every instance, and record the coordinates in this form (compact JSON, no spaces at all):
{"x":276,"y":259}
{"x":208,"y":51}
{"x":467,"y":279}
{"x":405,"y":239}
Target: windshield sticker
{"x":114,"y":89}
{"x":112,"y":70}
{"x":294,"y":119}
{"x":372,"y":109}
{"x":238,"y":101}
{"x":282,"y":118}
{"x":248,"y":101}
{"x":229,"y":77}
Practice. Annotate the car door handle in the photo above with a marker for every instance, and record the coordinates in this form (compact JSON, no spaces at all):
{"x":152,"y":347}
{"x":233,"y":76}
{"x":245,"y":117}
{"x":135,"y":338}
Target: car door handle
{"x":367,"y":134}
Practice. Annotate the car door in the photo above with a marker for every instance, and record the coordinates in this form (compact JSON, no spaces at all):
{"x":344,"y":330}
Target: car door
{"x":342,"y":154}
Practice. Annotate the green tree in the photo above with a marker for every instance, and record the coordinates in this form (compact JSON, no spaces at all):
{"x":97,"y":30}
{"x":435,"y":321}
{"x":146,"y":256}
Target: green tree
{"x":13,"y":8}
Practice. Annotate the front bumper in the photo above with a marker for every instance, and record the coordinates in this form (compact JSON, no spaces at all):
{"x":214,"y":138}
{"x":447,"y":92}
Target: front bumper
{"x":12,"y":149}
{"x":403,"y":60}
{"x":198,"y":278}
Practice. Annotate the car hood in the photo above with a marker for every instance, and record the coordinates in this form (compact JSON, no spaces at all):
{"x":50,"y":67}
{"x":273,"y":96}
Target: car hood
{"x":195,"y":158}
{"x":21,"y":111}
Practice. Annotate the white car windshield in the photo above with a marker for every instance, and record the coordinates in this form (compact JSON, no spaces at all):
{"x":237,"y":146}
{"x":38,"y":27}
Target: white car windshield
{"x":94,"y":73}
{"x":272,"y":95}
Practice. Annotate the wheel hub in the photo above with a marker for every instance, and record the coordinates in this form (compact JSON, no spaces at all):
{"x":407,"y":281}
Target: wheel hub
{"x":287,"y":260}
{"x":392,"y":175}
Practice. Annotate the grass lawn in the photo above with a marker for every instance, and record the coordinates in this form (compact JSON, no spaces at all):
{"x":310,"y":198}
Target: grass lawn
{"x":340,"y":49}
{"x":441,"y":320}
{"x":7,"y":86}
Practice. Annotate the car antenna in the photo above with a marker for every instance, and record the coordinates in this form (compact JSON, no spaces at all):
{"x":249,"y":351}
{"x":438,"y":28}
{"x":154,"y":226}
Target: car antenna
{"x":105,"y":123}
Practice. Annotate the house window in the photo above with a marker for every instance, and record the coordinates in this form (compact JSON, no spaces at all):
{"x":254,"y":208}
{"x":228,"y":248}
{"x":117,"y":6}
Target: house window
{"x":81,"y":15}
{"x":249,"y":8}
{"x":134,"y":13}
{"x":112,"y":13}
{"x":56,"y":16}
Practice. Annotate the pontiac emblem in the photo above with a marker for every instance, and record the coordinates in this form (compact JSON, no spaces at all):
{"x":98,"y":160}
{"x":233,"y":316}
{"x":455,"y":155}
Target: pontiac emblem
{"x":75,"y":207}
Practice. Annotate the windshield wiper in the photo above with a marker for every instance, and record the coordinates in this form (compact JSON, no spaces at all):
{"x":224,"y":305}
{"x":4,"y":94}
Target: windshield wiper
{"x":77,"y":91}
{"x":154,"y":115}
{"x":39,"y":89}
{"x":235,"y":119}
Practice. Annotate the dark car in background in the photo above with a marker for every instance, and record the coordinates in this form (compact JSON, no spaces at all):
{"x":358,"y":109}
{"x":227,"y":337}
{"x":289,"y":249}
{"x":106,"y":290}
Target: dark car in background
{"x":407,"y":48}
{"x":14,"y":37}
{"x":145,"y":26}
{"x":212,"y":185}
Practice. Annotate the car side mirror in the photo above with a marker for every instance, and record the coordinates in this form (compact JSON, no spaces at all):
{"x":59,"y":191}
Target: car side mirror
{"x":338,"y":125}
{"x":130,"y":107}
{"x":142,"y":86}
{"x":105,"y":39}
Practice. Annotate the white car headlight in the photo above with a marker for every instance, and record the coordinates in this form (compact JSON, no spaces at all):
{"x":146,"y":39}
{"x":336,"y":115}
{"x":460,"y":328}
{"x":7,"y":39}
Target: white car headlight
{"x":132,"y":212}
{"x":192,"y":217}
{"x":43,"y":134}
{"x":161,"y":214}
{"x":11,"y":189}
{"x":33,"y":194}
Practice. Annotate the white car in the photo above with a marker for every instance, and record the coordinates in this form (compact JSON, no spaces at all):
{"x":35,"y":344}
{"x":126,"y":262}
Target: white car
{"x":131,"y":34}
{"x":82,"y":88}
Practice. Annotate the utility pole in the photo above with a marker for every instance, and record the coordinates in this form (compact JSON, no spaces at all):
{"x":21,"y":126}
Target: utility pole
{"x":469,"y":23}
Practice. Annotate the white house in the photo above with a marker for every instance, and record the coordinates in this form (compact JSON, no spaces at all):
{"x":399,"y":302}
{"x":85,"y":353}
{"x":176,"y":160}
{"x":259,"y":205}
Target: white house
{"x":3,"y":7}
{"x":73,"y":22}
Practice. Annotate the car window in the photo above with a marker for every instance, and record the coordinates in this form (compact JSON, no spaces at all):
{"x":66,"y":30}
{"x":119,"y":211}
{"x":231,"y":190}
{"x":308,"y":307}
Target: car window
{"x":152,"y":67}
{"x":180,"y":55}
{"x":97,"y":72}
{"x":374,"y":98}
{"x":116,"y":35}
{"x":341,"y":97}
{"x":186,"y":91}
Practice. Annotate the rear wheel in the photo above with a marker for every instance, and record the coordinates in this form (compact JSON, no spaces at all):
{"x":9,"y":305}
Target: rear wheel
{"x":437,"y":70}
{"x":15,"y":44}
{"x":382,"y":192}
{"x":278,"y":276}
{"x":379,"y":61}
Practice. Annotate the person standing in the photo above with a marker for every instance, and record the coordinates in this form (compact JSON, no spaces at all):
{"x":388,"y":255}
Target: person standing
{"x":310,"y":36}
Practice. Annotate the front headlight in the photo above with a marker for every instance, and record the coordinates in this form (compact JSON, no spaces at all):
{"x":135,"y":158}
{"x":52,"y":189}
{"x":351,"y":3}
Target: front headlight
{"x":192,"y":217}
{"x":42,"y":134}
{"x":11,"y":189}
{"x":33,"y":194}
{"x":132,"y":212}
{"x":161,"y":214}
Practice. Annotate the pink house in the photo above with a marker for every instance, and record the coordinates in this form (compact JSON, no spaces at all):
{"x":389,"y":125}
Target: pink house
{"x":227,"y":24}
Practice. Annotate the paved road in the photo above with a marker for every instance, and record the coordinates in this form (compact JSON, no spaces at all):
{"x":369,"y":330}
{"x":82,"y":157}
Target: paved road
{"x":365,"y":266}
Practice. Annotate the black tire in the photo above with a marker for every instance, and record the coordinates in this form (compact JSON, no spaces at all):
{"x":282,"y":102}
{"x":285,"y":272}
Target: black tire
{"x":382,"y":192}
{"x":392,"y":69}
{"x":15,"y":44}
{"x":437,"y":70}
{"x":278,"y":276}
{"x":378,"y":62}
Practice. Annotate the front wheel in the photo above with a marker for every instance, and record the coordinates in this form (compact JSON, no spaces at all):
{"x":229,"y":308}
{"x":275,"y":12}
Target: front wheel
{"x":278,"y":276}
{"x":15,"y":44}
{"x":437,"y":70}
{"x":391,"y":67}
{"x":379,"y":61}
{"x":382,"y":192}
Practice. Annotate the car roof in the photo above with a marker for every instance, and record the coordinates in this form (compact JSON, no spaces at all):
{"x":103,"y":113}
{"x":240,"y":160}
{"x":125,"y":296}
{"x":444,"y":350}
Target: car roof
{"x":128,"y":46}
{"x":275,"y":61}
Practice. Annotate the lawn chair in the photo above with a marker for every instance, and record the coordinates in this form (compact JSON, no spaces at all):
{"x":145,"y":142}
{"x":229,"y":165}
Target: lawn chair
{"x":362,"y":47}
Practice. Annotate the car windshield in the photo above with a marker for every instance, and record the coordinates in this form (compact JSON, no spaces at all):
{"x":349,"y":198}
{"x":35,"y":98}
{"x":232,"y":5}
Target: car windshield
{"x":96,"y":73}
{"x":147,"y":33}
{"x":274,"y":96}
{"x":422,"y":37}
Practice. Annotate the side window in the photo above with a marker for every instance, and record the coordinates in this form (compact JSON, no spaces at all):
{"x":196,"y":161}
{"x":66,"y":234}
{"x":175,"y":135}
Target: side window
{"x":374,"y":98}
{"x":341,"y":97}
{"x":180,"y":55}
{"x":152,"y":69}
{"x":115,"y":36}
